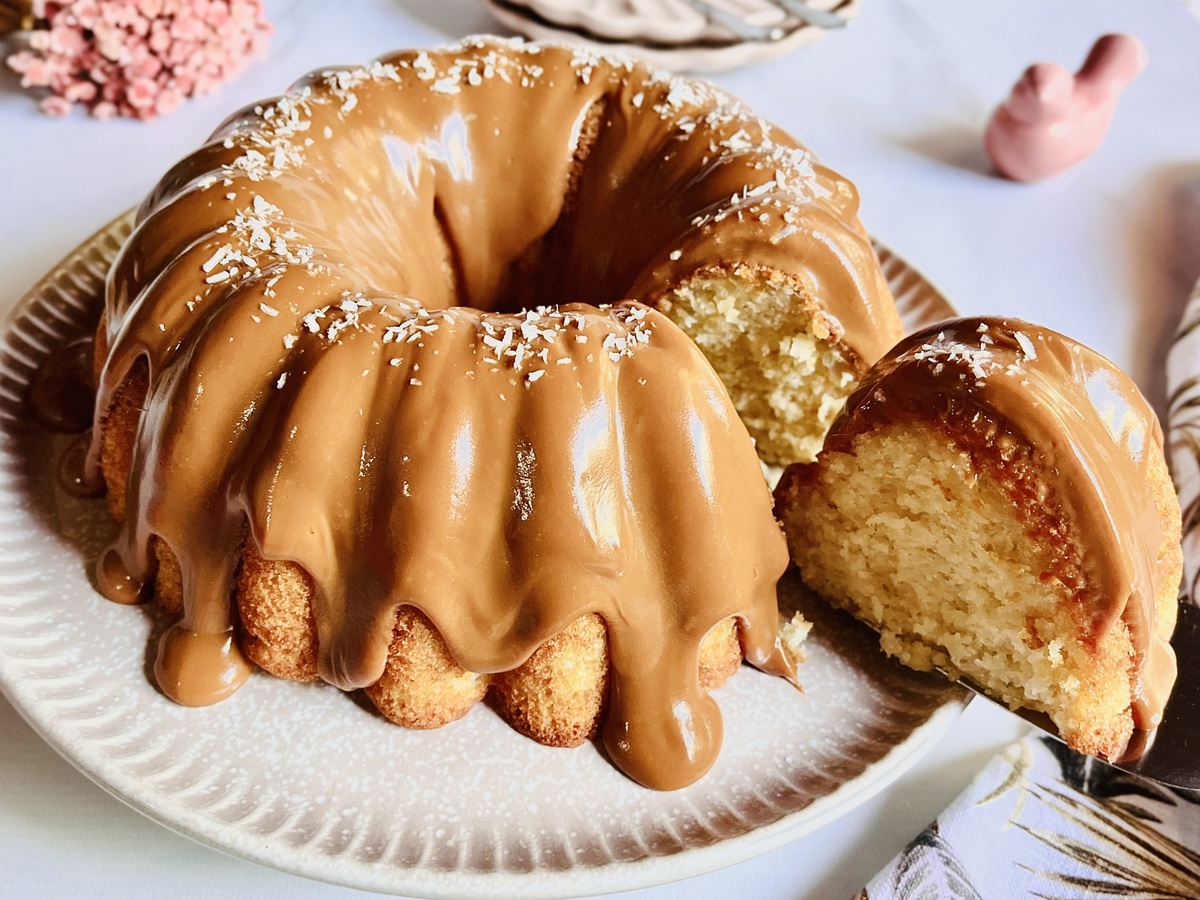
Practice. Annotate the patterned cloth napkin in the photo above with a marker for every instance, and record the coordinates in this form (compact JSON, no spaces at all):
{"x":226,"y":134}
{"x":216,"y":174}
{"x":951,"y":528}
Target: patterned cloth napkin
{"x":1043,"y":821}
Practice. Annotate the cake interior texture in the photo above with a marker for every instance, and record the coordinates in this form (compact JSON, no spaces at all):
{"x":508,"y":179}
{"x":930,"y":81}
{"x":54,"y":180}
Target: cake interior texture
{"x":788,"y":380}
{"x":929,"y":543}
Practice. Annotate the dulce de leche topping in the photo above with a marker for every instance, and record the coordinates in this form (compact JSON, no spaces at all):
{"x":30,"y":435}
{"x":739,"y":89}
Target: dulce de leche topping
{"x":339,"y":304}
{"x":1097,"y":445}
{"x":504,"y":474}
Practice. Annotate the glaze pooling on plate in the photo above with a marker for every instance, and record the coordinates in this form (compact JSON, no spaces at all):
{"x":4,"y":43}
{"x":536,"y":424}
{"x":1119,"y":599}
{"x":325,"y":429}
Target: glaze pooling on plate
{"x":292,"y":776}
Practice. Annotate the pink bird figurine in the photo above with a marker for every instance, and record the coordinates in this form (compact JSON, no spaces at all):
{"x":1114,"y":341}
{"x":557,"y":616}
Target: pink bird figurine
{"x":1054,"y":119}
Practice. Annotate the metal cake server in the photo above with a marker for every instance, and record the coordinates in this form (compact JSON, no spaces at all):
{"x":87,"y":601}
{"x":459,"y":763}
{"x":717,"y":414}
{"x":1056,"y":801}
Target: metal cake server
{"x":1170,"y":754}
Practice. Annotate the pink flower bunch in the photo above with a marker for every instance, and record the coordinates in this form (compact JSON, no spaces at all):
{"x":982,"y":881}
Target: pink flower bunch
{"x":138,"y":58}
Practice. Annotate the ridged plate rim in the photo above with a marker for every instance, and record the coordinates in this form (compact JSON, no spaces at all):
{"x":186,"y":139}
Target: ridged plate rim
{"x":44,"y":658}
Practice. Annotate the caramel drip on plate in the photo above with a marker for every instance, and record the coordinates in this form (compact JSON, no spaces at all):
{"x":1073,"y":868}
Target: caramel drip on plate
{"x":61,"y":397}
{"x":329,"y":298}
{"x":62,"y":394}
{"x":1095,"y":437}
{"x":72,"y":469}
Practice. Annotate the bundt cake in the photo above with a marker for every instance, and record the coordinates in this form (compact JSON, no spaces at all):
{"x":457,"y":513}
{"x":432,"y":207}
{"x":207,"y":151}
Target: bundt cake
{"x":335,"y":381}
{"x":995,"y":501}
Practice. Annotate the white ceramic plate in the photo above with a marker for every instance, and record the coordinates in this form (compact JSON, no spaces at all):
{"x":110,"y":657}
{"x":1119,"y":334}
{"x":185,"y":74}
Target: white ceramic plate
{"x":303,"y":778}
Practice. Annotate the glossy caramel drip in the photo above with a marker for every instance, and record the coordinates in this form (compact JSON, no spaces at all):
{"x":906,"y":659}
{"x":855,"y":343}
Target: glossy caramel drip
{"x":502,"y":502}
{"x":115,"y":580}
{"x":503,"y":472}
{"x":72,"y":469}
{"x":197,"y":668}
{"x":62,"y":397}
{"x":1095,"y":438}
{"x":62,"y":393}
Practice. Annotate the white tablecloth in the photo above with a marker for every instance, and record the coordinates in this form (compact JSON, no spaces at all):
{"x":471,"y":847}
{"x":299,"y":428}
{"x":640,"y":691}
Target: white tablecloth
{"x":1107,"y":253}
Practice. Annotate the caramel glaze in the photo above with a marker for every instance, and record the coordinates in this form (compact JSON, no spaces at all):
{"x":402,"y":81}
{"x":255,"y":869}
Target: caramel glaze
{"x":61,"y":397}
{"x":411,"y":453}
{"x":63,"y":391}
{"x":1094,"y":439}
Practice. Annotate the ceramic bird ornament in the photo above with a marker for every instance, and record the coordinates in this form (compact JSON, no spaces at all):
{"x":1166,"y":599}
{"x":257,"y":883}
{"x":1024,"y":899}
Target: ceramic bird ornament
{"x":1053,"y":119}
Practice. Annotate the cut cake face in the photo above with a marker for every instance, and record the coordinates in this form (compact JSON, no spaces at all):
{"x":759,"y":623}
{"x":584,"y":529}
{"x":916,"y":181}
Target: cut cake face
{"x":995,"y":502}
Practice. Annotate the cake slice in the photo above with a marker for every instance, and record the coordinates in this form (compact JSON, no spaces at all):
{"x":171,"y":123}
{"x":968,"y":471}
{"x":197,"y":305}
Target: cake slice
{"x":995,"y":502}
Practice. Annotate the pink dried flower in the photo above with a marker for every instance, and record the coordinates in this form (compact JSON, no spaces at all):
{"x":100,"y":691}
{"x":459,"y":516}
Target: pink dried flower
{"x":167,"y":102}
{"x":81,"y":92}
{"x":141,"y":93}
{"x":56,"y":106}
{"x":139,"y":58}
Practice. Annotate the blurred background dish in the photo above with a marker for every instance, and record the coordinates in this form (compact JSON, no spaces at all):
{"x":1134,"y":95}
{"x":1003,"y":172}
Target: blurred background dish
{"x":680,"y":35}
